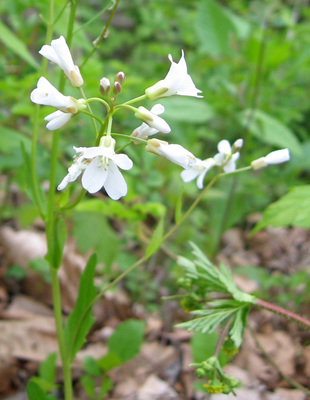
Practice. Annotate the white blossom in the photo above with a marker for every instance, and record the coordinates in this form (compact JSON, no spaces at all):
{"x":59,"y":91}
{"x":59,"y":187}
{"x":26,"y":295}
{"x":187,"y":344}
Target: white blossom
{"x":176,"y":82}
{"x":275,"y":157}
{"x":152,"y":120}
{"x":57,"y":119}
{"x":173,"y":152}
{"x":59,"y":53}
{"x":46,"y":94}
{"x":100,"y":165}
{"x":144,"y":130}
{"x":198,"y":170}
{"x":225,"y":156}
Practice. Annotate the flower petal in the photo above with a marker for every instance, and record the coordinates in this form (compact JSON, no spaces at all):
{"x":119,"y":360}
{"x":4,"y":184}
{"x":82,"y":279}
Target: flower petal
{"x":90,"y":152}
{"x":94,"y":176}
{"x":57,"y":119}
{"x":122,"y":161}
{"x":115,"y":185}
{"x":224,"y":147}
{"x":189,"y":174}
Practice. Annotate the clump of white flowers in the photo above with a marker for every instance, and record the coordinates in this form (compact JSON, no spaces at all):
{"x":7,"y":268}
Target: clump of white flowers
{"x":99,"y":164}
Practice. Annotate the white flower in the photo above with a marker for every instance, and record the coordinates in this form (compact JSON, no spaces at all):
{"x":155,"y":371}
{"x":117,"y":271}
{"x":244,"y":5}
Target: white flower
{"x":57,"y":119}
{"x":47,"y":95}
{"x":101,"y":169}
{"x":152,"y":120}
{"x":74,"y":171}
{"x":275,"y":157}
{"x":173,"y":152}
{"x":144,"y":130}
{"x":198,"y":170}
{"x":226,"y":157}
{"x":58,"y":52}
{"x":177,"y":81}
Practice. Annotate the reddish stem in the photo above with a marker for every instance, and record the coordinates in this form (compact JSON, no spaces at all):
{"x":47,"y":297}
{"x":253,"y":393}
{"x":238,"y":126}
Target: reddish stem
{"x":282,"y":311}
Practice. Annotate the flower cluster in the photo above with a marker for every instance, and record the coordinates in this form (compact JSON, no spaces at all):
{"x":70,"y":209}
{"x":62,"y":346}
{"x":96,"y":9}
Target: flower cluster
{"x":99,"y":165}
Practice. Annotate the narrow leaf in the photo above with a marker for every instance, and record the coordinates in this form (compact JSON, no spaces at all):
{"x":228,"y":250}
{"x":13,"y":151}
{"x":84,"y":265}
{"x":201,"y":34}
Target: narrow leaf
{"x":11,"y":41}
{"x":80,"y":320}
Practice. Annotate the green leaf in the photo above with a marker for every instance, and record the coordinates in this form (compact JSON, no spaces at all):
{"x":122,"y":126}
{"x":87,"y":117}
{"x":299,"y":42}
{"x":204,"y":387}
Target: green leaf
{"x":89,"y":385}
{"x":270,"y":130}
{"x":237,"y":328}
{"x":47,"y":369}
{"x":11,"y":41}
{"x":80,"y":320}
{"x":10,"y":139}
{"x":109,"y":361}
{"x":90,"y":366}
{"x":203,"y":346}
{"x":290,"y":210}
{"x":35,"y":392}
{"x":187,"y":109}
{"x":213,"y":27}
{"x":127,"y":339}
{"x":209,"y":319}
{"x":156,"y":240}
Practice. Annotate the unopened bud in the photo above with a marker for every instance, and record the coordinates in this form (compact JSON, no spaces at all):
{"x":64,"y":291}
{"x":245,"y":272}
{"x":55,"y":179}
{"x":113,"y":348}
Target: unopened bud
{"x":105,"y":86}
{"x":117,"y":88}
{"x":120,"y":77}
{"x":237,"y":145}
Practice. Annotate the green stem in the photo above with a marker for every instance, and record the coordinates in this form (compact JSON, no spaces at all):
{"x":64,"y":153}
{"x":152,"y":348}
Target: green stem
{"x":75,"y":202}
{"x":102,"y":34}
{"x":60,"y":334}
{"x":90,"y":110}
{"x":140,"y":98}
{"x":98,"y":99}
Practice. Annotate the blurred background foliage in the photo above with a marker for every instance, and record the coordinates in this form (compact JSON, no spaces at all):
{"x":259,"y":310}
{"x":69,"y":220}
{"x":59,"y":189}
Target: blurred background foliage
{"x":251,"y":60}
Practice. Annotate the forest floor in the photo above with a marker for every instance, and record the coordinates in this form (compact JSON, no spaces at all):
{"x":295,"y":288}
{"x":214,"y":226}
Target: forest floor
{"x":273,"y":361}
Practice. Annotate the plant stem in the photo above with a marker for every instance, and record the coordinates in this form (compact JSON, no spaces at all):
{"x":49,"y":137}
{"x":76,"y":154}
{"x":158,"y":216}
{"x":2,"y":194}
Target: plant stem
{"x":60,"y":334}
{"x":97,"y":41}
{"x":282,"y":311}
{"x":222,"y":337}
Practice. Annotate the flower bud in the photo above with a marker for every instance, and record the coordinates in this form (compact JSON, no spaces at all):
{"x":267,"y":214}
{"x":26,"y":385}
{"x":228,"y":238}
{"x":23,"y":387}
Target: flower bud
{"x":105,"y":86}
{"x":120,"y":77}
{"x":117,"y":88}
{"x":275,"y":157}
{"x":152,"y":120}
{"x":237,"y":145}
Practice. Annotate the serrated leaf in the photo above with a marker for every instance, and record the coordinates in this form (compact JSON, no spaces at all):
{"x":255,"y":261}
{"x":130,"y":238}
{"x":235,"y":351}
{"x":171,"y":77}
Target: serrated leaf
{"x":80,"y":320}
{"x":209,"y":319}
{"x":35,"y":392}
{"x":125,"y":342}
{"x":237,"y":328}
{"x":156,"y":240}
{"x":11,"y":41}
{"x":270,"y":130}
